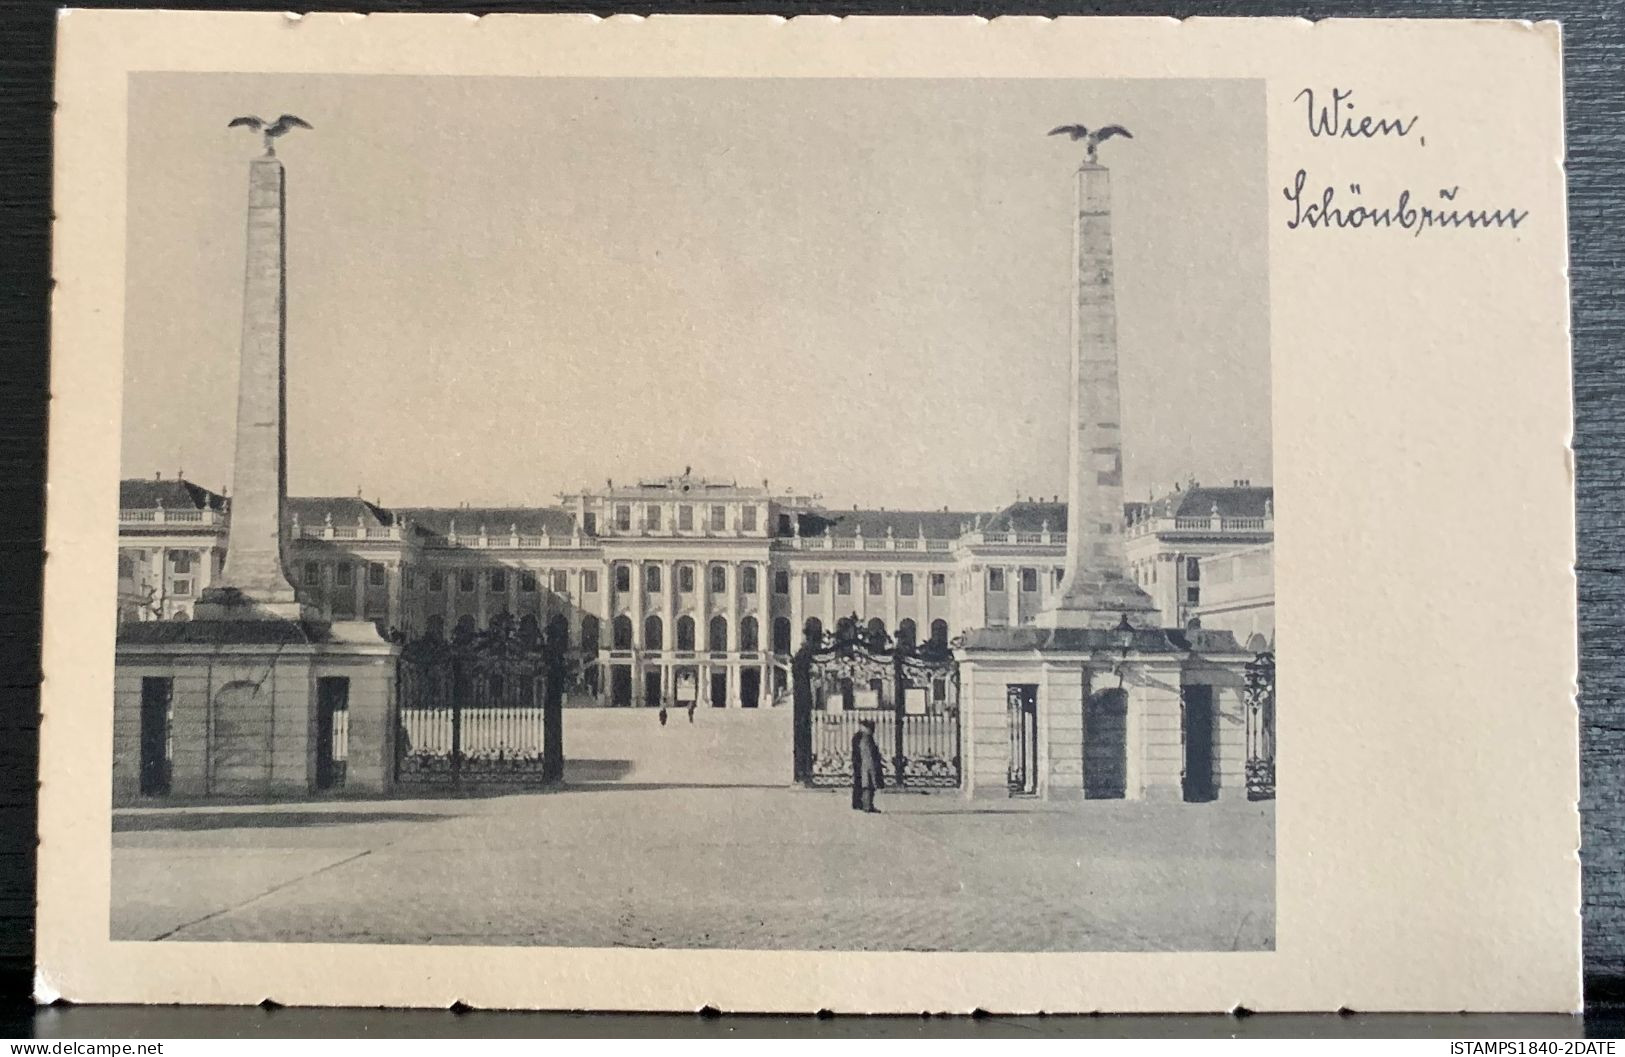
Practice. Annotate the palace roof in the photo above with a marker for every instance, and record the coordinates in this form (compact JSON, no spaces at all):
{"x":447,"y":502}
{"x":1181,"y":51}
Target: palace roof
{"x":1194,"y":501}
{"x":1201,"y":501}
{"x":138,"y":493}
{"x":904,"y":524}
{"x":497,"y":520}
{"x":345,"y":510}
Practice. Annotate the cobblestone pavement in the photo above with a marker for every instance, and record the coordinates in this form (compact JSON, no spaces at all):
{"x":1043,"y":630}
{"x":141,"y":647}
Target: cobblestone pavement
{"x":646,"y":865}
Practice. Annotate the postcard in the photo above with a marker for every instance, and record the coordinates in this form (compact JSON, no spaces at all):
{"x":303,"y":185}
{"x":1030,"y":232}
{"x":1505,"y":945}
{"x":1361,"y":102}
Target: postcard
{"x":645,"y":514}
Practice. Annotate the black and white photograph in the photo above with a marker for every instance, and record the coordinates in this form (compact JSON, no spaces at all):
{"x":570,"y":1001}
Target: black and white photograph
{"x":800,"y":514}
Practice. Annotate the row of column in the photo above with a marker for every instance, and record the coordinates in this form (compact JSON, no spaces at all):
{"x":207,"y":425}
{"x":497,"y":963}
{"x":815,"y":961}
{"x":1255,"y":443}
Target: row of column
{"x":702,"y":593}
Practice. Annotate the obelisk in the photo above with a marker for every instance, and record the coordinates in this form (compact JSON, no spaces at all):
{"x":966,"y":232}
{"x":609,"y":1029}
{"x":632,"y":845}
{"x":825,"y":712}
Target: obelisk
{"x":1096,"y":591}
{"x":254,"y":584}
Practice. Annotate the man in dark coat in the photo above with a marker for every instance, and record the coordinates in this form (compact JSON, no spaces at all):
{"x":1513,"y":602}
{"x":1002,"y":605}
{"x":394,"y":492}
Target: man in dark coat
{"x":867,"y":775}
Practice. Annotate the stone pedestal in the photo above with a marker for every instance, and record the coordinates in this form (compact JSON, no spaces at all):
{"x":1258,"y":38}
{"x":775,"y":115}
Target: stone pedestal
{"x":244,"y":706}
{"x":1110,"y":700}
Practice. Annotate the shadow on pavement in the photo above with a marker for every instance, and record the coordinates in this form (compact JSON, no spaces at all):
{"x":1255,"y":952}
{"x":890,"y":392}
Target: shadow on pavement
{"x":595,"y":770}
{"x":268,"y":819}
{"x":570,"y":786}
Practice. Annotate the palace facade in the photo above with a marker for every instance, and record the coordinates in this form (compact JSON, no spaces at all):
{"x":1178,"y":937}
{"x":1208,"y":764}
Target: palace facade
{"x":686,"y":588}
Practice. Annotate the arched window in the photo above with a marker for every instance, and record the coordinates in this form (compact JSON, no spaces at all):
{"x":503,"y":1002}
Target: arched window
{"x":591,"y":632}
{"x":435,"y":627}
{"x":906,"y":634}
{"x":528,"y":628}
{"x":651,"y":634}
{"x":685,"y":632}
{"x":558,"y":629}
{"x":747,"y":633}
{"x":939,"y":634}
{"x":499,"y":619}
{"x":813,"y":631}
{"x":781,"y":635}
{"x":623,"y":632}
{"x":877,"y":632}
{"x":465,"y":627}
{"x":717,"y":639}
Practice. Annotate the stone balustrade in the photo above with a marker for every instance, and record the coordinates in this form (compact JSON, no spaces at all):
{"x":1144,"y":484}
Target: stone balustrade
{"x":1252,"y":527}
{"x":160,"y":516}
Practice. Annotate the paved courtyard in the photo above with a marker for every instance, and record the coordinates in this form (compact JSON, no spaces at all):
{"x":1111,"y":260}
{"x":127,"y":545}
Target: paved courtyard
{"x":640,"y":850}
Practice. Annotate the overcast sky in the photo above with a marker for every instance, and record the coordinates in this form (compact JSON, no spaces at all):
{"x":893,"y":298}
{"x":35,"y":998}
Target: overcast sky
{"x":500,"y":288}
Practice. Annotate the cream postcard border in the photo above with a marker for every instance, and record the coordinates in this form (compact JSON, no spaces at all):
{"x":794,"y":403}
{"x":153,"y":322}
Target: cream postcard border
{"x":1427,"y":825}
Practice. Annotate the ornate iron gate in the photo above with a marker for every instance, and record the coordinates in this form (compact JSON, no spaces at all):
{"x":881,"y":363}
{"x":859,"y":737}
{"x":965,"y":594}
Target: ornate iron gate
{"x":1258,"y":692}
{"x":485,"y":707}
{"x":910,"y":691}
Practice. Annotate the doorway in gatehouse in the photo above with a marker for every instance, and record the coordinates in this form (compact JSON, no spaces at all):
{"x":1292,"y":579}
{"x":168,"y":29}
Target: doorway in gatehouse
{"x":1198,"y":730}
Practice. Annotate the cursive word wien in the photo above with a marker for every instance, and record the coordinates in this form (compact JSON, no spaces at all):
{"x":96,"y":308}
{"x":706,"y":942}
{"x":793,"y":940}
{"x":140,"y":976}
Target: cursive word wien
{"x":1332,"y":119}
{"x":1324,"y":211}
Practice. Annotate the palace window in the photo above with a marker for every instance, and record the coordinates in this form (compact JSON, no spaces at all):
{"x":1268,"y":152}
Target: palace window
{"x":437,"y":579}
{"x":719,"y":579}
{"x":876,"y":586}
{"x":1193,"y":596}
{"x":685,"y":518}
{"x":939,"y":633}
{"x":561,"y":582}
{"x":747,"y":634}
{"x":810,"y":582}
{"x":465,"y":582}
{"x":589,"y":582}
{"x":685,"y":579}
{"x":1029,"y":580}
{"x":781,"y":582}
{"x":183,"y":587}
{"x":719,"y":518}
{"x":499,"y":581}
{"x":905,"y":584}
{"x":375,"y":574}
{"x":590,"y":632}
{"x":313,"y":574}
{"x":181,"y":561}
{"x":623,"y":518}
{"x":527,"y":582}
{"x":651,"y":578}
{"x":1193,"y":569}
{"x":786,"y":526}
{"x":749,"y":515}
{"x":589,"y":523}
{"x":685,"y":632}
{"x":995,"y":580}
{"x":623,"y":578}
{"x":344,"y":574}
{"x":747,"y":579}
{"x":409,"y":578}
{"x":781,"y":635}
{"x":716,"y":639}
{"x":843,"y":583}
{"x":939,"y":584}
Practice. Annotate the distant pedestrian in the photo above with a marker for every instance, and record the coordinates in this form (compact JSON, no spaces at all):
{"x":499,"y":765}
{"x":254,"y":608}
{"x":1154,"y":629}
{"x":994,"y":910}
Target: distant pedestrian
{"x":691,"y":711}
{"x":662,"y":715}
{"x":867,"y":775}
